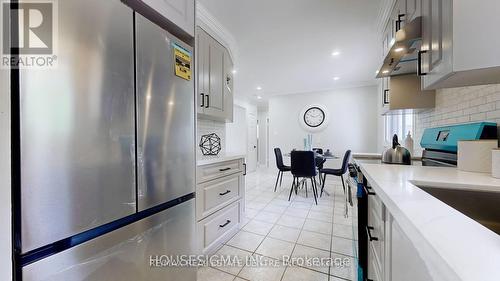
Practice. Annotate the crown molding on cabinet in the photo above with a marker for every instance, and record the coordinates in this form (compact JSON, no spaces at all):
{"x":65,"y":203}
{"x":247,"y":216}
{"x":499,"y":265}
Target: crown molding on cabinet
{"x":384,"y":14}
{"x":217,"y":30}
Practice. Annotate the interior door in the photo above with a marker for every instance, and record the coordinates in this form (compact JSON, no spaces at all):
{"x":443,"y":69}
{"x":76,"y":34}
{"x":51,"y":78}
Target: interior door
{"x":252,"y":141}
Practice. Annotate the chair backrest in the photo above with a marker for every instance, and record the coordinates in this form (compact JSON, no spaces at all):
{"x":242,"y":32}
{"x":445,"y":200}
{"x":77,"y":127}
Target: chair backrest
{"x":318,"y":150}
{"x":320,"y":161}
{"x":345,"y":162}
{"x":303,"y":164}
{"x":279,"y":158}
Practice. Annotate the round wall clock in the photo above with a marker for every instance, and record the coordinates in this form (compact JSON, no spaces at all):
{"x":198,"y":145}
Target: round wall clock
{"x":314,"y":117}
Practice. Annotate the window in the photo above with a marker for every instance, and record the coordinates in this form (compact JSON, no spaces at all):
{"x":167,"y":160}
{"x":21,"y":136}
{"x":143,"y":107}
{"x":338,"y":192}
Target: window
{"x":400,"y":125}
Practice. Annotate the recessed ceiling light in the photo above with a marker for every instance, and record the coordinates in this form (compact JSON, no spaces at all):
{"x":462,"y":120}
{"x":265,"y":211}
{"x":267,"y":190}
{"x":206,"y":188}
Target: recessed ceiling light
{"x":259,"y":97}
{"x":400,"y":49}
{"x":336,"y":78}
{"x":335,"y":53}
{"x":259,"y":88}
{"x":234,"y":71}
{"x":385,"y":71}
{"x":376,"y":72}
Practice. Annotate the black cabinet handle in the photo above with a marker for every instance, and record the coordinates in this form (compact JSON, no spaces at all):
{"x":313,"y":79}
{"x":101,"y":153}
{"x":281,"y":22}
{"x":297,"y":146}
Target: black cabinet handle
{"x":245,"y":169}
{"x":368,"y":192}
{"x":225,"y":169}
{"x":386,"y":96}
{"x":202,"y":99}
{"x":208,"y":101}
{"x":370,"y":237}
{"x":224,"y":193}
{"x":419,"y":63}
{"x":226,"y":223}
{"x":399,"y":21}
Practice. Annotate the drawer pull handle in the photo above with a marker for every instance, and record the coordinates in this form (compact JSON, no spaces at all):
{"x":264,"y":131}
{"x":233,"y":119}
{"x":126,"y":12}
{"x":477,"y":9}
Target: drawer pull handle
{"x":225,"y":169}
{"x":368,"y":191}
{"x":370,"y":237}
{"x":224,"y":193}
{"x":225,"y":224}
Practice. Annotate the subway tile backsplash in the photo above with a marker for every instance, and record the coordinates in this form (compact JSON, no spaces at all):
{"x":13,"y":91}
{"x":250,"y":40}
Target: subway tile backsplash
{"x":460,"y":105}
{"x":207,"y":127}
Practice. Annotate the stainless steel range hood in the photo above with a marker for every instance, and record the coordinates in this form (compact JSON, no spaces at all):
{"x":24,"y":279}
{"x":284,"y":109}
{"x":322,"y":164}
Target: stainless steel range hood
{"x":403,"y":55}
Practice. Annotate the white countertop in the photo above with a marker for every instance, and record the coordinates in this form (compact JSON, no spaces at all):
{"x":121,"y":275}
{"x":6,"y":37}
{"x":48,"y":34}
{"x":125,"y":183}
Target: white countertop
{"x":219,"y":158}
{"x":453,"y":246}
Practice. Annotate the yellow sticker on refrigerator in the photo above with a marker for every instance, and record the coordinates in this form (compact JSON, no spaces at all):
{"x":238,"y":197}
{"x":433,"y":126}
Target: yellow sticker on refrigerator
{"x":183,"y":61}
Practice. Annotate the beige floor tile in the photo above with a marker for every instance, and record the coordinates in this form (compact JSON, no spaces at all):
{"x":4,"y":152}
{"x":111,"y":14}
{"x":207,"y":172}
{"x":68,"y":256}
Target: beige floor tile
{"x":269,"y":272}
{"x":274,"y":209}
{"x":302,"y":274}
{"x":343,"y":267}
{"x":237,"y":256}
{"x":316,"y":240}
{"x":267,"y":217}
{"x":211,"y":274}
{"x":275,"y":248}
{"x":291,"y":221}
{"x":285,"y":233}
{"x":343,"y":246}
{"x":344,"y":231}
{"x":246,"y":241}
{"x":318,"y":226}
{"x":299,"y":213}
{"x":320,"y":216}
{"x":259,"y":227}
{"x":301,"y":251}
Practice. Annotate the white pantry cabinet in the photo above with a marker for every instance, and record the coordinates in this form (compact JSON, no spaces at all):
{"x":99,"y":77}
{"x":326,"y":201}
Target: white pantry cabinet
{"x":179,"y":12}
{"x":460,"y":43}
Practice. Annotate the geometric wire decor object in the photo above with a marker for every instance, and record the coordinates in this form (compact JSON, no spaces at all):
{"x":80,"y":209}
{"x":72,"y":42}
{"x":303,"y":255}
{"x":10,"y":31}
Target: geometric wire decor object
{"x":210,"y":144}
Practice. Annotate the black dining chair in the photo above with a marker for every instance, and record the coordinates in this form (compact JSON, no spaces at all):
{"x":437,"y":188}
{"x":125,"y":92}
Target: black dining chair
{"x":336,"y":172}
{"x":318,"y":150}
{"x":303,"y":167}
{"x":320,"y":162}
{"x":281,"y":167}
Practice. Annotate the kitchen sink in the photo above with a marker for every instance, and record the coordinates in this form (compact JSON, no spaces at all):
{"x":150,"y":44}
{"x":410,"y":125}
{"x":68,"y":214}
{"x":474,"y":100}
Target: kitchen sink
{"x":481,"y":206}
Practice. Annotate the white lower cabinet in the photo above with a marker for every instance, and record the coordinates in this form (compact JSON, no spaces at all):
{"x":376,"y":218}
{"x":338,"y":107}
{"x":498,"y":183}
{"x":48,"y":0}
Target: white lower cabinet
{"x":405,"y":262}
{"x":391,"y":254}
{"x":220,"y":195}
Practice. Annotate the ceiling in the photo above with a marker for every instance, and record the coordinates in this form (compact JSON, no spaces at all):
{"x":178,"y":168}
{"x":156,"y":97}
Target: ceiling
{"x":286,"y":46}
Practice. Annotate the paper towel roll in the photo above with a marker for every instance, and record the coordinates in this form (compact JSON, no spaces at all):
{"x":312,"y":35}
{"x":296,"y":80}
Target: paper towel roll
{"x":475,"y":156}
{"x":495,"y":163}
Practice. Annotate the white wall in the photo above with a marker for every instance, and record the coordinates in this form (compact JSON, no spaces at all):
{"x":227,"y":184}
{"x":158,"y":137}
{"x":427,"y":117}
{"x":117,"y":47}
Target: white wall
{"x":236,"y":132}
{"x":5,"y":188}
{"x":353,"y":120}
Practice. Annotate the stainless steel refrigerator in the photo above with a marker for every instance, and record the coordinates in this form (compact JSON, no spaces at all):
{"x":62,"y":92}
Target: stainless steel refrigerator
{"x":107,"y":152}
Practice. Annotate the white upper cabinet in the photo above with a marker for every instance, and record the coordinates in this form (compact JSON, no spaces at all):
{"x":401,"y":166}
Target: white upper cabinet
{"x":214,"y":78}
{"x":179,"y":12}
{"x":460,"y":43}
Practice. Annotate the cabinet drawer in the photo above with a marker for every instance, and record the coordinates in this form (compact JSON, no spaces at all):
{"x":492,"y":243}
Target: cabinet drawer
{"x":217,"y":229}
{"x":217,"y":170}
{"x":215,"y":194}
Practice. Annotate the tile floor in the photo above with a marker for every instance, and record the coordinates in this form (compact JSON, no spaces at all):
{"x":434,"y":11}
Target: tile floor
{"x":274,"y":229}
